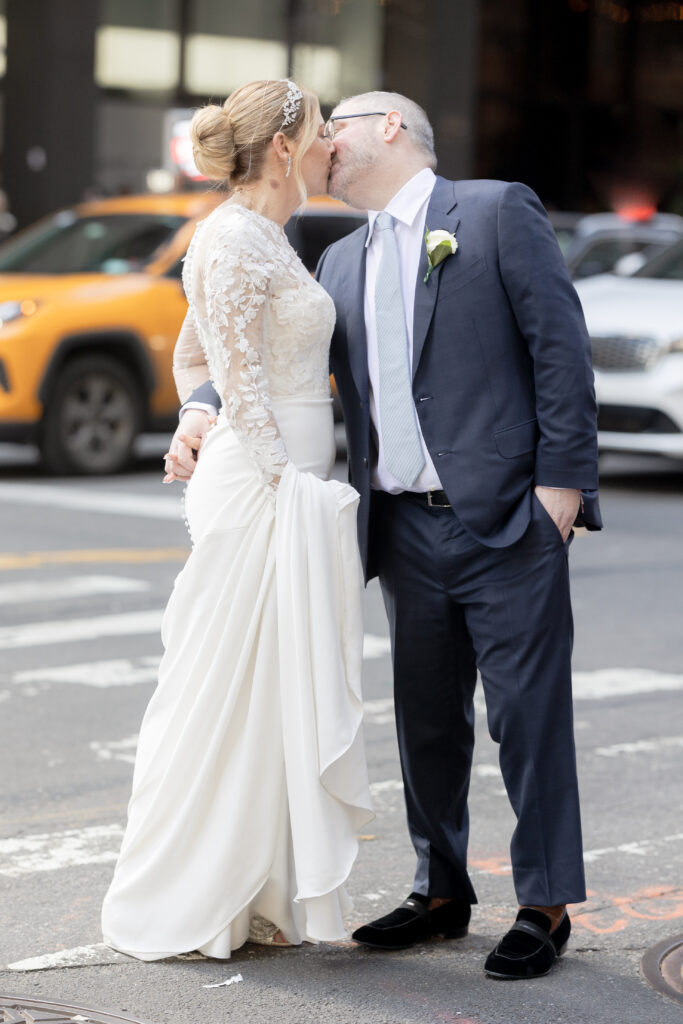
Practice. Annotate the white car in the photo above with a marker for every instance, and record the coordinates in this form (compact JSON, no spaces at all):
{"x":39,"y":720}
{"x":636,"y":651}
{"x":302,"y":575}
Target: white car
{"x":636,"y":330}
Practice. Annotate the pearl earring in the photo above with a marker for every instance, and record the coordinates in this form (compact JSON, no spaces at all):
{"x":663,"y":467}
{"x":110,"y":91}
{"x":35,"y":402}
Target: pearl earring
{"x":289,"y":166}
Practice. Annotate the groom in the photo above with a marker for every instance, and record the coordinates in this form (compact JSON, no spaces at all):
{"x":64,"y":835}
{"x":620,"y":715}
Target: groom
{"x":468,"y":401}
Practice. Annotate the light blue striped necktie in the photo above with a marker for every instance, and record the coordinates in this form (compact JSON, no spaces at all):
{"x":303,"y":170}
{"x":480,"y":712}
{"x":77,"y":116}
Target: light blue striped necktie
{"x":401,"y":445}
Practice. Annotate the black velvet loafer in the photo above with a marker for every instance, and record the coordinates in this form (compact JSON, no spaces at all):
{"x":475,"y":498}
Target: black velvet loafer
{"x":529,"y":949}
{"x":413,"y":922}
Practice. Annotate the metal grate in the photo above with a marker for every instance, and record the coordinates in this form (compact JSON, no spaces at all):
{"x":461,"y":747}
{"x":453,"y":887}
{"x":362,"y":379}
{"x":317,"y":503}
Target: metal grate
{"x":623,"y":353}
{"x":17,"y":1010}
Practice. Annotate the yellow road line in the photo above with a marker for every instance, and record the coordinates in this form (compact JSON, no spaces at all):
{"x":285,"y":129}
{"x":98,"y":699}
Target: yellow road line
{"x":35,"y":559}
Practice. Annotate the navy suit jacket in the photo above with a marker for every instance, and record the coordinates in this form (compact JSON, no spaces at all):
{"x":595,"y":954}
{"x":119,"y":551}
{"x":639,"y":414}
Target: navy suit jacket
{"x":502,"y":375}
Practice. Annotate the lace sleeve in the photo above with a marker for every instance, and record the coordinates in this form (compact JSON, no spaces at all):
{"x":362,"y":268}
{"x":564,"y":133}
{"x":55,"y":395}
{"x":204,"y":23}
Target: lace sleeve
{"x":189,"y":363}
{"x":236,"y":282}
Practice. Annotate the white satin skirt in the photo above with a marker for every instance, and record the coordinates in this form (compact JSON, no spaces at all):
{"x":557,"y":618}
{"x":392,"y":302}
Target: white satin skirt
{"x":250,"y":781}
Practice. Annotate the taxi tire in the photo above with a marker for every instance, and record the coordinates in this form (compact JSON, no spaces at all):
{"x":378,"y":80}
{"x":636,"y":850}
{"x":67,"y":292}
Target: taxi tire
{"x":91,"y":371}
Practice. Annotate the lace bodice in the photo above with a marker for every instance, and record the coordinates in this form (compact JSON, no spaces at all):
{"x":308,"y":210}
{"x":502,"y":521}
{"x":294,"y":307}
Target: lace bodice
{"x":257,"y":324}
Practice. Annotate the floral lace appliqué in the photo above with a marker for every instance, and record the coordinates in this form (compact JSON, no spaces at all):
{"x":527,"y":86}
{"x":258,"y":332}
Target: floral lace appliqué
{"x":260,"y":324}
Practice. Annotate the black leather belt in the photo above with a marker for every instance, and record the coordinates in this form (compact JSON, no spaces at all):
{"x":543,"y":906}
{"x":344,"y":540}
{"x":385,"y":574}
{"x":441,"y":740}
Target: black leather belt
{"x":431,"y":499}
{"x":437,"y":499}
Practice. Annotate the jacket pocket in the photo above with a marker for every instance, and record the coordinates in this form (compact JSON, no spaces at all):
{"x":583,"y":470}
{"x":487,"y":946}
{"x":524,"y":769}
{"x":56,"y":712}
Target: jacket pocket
{"x":460,"y":275}
{"x":517,"y":440}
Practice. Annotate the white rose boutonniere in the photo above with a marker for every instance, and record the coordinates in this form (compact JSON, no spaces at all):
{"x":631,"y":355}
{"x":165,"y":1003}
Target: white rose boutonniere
{"x":440,"y":244}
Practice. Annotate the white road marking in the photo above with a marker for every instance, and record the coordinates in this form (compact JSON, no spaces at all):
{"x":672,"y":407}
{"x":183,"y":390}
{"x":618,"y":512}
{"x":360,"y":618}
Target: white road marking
{"x":24,"y":591}
{"x":375,"y":646}
{"x":100,"y":674}
{"x":379,"y":712}
{"x":622,"y":682}
{"x":95,"y":954}
{"x":98,"y":844}
{"x":486,"y":771}
{"x":641,"y":848}
{"x":387,"y":786}
{"x":116,"y":750}
{"x":374,"y":897}
{"x":640,"y":746}
{"x":110,"y":503}
{"x":59,"y":631}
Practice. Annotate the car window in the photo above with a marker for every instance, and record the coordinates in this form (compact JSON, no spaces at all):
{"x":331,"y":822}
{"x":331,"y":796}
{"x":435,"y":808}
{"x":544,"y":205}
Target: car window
{"x":564,"y":237}
{"x":668,"y":265}
{"x":310,"y":235}
{"x":601,"y":257}
{"x":68,"y":244}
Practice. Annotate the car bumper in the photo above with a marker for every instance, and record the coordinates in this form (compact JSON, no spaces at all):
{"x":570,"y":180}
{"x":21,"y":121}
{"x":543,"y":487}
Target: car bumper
{"x":18,"y":433}
{"x":642,"y":411}
{"x":650,"y":444}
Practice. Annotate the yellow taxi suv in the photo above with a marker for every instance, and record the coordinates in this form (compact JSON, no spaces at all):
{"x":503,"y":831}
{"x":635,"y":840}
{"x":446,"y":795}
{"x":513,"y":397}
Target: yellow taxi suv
{"x":91,"y":303}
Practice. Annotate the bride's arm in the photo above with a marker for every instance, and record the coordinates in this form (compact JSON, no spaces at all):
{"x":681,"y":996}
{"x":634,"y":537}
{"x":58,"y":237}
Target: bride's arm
{"x":189,"y":364}
{"x":236,"y":282}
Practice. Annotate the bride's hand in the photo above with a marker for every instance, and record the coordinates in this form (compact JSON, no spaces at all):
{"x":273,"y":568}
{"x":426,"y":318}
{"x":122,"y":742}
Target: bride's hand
{"x":181,"y":458}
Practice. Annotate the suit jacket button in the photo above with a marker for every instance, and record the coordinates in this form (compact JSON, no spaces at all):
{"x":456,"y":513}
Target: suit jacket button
{"x":365,"y":463}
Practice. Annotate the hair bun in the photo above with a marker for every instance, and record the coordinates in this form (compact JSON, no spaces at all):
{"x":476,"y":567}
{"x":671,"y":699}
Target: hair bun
{"x":213,"y":144}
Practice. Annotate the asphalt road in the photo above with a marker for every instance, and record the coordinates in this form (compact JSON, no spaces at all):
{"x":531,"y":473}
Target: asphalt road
{"x":85,"y":569}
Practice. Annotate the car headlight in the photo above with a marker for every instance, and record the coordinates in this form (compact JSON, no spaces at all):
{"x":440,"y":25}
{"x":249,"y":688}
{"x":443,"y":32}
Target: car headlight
{"x":12,"y":310}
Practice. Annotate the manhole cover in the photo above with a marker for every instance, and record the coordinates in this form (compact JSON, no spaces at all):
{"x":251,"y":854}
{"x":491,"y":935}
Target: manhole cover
{"x":17,"y":1010}
{"x":663,"y":968}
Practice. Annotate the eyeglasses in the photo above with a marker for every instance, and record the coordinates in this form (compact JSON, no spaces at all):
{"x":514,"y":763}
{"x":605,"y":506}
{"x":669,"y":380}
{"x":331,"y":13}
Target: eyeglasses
{"x":330,"y":130}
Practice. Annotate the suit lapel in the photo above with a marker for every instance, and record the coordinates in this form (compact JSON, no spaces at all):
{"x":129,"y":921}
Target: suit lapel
{"x":440,"y":216}
{"x":354,"y":302}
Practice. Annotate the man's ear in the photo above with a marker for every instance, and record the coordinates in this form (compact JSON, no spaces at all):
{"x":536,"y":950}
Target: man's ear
{"x":392,"y":125}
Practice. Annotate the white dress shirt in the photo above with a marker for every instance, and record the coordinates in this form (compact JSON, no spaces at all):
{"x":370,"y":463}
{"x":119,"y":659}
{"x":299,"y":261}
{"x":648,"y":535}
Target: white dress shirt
{"x":409,"y":210}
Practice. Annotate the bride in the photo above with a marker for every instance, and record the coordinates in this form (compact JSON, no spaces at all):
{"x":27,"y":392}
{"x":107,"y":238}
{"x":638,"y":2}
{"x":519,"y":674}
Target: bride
{"x":250,"y":781}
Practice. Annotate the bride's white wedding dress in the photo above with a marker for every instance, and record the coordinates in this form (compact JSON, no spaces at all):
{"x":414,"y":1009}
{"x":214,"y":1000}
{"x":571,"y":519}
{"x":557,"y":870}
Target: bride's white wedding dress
{"x":250,"y":780}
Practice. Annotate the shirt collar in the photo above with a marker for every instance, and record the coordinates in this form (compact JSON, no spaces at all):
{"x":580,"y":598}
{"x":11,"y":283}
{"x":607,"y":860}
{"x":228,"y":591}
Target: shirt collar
{"x":407,"y":202}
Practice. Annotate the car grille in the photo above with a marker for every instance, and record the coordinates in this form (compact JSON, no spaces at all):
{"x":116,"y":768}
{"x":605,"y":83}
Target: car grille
{"x":631,"y":419}
{"x":623,"y":353}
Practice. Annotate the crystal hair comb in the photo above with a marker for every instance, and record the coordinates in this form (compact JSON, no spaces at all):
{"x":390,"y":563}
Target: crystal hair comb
{"x":293,"y":99}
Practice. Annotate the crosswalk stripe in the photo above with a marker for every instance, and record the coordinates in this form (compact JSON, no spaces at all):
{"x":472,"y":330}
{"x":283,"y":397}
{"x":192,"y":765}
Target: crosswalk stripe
{"x":29,"y":591}
{"x":99,"y":674}
{"x":622,"y":682}
{"x":122,"y":624}
{"x":60,"y":631}
{"x":116,"y":750}
{"x":110,"y":503}
{"x":50,"y":851}
{"x":95,"y":955}
{"x":640,"y":746}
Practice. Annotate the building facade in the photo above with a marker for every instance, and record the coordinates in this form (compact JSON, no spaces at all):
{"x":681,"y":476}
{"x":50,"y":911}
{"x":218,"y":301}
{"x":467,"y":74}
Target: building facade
{"x":581,"y":99}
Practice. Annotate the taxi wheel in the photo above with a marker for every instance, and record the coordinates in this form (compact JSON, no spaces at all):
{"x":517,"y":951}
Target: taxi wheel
{"x":92,"y":417}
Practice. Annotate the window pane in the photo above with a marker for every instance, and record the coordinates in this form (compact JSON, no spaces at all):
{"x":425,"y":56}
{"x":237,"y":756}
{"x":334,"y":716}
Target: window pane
{"x":320,"y":69}
{"x":136,"y":58}
{"x":215,"y":65}
{"x":252,"y":19}
{"x":160,"y":14}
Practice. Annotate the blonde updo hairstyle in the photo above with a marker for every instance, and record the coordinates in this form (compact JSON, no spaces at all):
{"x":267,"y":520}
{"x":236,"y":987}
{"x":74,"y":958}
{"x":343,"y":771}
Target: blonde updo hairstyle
{"x":229,"y":142}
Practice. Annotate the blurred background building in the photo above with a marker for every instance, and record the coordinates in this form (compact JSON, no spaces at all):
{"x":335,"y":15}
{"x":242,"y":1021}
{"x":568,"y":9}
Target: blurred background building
{"x":581,"y":99}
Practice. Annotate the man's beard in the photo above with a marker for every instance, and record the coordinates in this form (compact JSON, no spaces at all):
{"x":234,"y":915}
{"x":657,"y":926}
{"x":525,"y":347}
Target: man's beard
{"x":347,"y":179}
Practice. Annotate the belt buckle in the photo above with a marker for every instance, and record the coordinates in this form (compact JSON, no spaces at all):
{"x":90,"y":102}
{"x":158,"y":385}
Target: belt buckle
{"x":430,"y":503}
